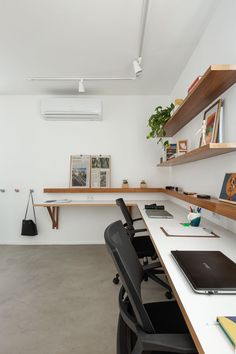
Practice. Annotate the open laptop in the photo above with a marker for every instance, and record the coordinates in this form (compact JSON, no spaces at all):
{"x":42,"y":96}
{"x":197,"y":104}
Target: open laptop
{"x":208,"y":272}
{"x":159,"y":214}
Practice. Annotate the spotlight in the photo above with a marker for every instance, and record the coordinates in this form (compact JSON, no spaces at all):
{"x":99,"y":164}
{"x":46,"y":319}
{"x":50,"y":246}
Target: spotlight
{"x":137,"y":67}
{"x":81,"y":86}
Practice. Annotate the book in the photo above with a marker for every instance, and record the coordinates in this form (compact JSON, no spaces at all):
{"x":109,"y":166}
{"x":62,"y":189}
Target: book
{"x":59,"y":201}
{"x":228,"y":325}
{"x":194,"y":83}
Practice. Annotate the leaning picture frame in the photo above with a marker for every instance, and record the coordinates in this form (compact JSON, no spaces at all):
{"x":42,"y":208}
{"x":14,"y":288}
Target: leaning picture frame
{"x":80,"y":171}
{"x":210,"y":124}
{"x":182,"y":146}
{"x":228,"y":190}
{"x":100,"y":171}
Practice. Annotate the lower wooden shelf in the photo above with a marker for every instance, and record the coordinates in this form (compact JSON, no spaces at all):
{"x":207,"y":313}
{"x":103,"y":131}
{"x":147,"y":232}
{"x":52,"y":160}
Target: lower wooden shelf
{"x":214,"y":205}
{"x":222,"y":208}
{"x":102,"y":190}
{"x":204,"y":152}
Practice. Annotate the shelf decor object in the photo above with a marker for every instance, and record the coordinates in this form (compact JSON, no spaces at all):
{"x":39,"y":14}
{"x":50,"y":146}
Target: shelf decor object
{"x":204,"y":152}
{"x":216,"y":80}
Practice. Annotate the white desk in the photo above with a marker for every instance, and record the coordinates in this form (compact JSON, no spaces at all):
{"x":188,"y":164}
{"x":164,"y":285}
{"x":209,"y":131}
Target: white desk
{"x":200,"y":311}
{"x":53,"y":207}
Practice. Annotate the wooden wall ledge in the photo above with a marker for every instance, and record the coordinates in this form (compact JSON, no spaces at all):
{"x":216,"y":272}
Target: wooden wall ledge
{"x":102,"y":190}
{"x":222,"y":208}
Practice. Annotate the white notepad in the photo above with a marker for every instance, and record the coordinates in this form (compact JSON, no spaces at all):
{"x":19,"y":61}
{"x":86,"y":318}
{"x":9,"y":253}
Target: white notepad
{"x":180,"y":230}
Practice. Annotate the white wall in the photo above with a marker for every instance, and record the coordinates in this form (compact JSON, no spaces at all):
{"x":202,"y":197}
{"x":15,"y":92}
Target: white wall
{"x":217,"y":46}
{"x":36,"y":153}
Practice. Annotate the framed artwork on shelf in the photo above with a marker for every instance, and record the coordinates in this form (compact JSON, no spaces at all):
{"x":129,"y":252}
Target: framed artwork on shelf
{"x":100,"y":171}
{"x":228,"y":190}
{"x":80,"y":171}
{"x":210,"y":124}
{"x":182,"y":146}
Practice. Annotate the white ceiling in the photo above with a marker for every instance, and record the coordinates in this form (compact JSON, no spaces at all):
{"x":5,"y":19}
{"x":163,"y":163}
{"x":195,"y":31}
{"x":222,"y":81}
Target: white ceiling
{"x":94,"y":38}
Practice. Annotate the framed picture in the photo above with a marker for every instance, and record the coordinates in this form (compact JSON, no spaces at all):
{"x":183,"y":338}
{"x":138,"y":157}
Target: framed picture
{"x":182,"y":146}
{"x":80,"y":171}
{"x":210,"y":124}
{"x":100,"y":171}
{"x":228,"y":190}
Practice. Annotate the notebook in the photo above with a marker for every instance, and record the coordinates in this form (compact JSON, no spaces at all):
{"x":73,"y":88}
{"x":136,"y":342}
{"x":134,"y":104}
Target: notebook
{"x":159,"y":214}
{"x":208,"y":272}
{"x":228,"y":324}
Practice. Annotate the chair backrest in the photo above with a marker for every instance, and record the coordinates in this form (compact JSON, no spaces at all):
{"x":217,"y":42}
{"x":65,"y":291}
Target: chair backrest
{"x":120,"y":202}
{"x":130,"y":270}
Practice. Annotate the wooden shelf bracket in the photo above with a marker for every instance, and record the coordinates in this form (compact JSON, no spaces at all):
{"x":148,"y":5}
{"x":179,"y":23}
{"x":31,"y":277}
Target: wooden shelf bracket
{"x":54,"y":215}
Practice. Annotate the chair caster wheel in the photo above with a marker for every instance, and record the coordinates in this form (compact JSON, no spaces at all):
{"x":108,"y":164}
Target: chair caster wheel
{"x":168,"y":295}
{"x":116,"y":280}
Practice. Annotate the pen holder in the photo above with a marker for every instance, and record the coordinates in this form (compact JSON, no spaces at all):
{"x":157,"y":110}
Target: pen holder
{"x":194,"y":219}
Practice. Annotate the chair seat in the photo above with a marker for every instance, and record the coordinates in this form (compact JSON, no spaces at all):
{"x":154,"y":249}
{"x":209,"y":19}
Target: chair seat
{"x":166,"y":317}
{"x":143,"y":246}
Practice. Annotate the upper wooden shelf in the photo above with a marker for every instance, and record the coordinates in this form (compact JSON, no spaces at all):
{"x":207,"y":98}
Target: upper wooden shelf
{"x":102,"y":190}
{"x":204,"y":152}
{"x":216,"y":80}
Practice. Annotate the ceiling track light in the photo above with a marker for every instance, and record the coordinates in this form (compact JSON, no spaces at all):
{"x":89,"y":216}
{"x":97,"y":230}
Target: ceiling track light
{"x":81,"y":88}
{"x":136,"y":63}
{"x":137,"y":66}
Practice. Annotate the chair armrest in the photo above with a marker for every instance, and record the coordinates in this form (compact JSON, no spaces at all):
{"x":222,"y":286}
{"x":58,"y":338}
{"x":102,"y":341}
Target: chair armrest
{"x":178,"y":343}
{"x":139,"y":230}
{"x":137,"y":219}
{"x":151,"y":266}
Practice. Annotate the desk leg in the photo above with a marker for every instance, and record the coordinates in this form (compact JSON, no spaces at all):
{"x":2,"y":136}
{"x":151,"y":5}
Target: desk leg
{"x":54,"y":215}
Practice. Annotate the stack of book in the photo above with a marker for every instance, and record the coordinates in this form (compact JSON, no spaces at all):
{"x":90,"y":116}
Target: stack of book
{"x":171,"y":151}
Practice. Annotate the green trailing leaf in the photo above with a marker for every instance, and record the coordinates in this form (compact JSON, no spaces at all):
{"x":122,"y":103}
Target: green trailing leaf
{"x":157,"y":122}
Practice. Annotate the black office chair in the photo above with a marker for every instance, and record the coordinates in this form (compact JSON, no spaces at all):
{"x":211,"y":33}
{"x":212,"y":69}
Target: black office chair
{"x":153,"y":327}
{"x":142,"y":244}
{"x":144,"y":248}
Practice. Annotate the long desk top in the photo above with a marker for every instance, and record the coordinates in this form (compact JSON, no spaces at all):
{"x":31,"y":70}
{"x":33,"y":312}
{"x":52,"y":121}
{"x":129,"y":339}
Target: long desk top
{"x":200,"y":311}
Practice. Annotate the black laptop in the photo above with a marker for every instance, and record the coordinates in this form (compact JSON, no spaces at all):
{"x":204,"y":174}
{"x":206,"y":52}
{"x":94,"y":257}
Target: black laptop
{"x":208,"y":272}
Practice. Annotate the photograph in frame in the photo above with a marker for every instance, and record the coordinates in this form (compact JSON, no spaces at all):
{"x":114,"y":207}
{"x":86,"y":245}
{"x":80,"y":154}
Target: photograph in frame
{"x":182,"y":146}
{"x":211,"y":126}
{"x":80,"y":171}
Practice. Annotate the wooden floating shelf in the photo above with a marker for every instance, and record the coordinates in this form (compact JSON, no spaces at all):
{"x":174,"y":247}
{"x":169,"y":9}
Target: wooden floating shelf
{"x":204,"y":152}
{"x":103,"y":190}
{"x":216,"y":80}
{"x":214,"y":205}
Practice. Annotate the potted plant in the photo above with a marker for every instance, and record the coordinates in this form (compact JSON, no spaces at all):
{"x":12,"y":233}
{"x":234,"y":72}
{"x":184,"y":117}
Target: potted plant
{"x":143,"y":184}
{"x":157,"y":121}
{"x":125,"y":183}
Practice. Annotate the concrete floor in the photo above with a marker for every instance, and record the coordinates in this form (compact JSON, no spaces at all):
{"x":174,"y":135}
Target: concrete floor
{"x":59,"y":300}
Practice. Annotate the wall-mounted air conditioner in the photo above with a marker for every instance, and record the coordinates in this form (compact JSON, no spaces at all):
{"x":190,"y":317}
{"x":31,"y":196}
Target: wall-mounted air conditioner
{"x":71,"y":109}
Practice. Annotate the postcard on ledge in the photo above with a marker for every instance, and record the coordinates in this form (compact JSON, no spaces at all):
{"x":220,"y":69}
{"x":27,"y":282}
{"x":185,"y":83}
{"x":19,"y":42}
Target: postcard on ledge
{"x":228,"y":324}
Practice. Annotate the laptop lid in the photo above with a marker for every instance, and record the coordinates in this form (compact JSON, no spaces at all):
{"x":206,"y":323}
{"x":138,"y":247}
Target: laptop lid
{"x":208,"y":272}
{"x":159,"y":214}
